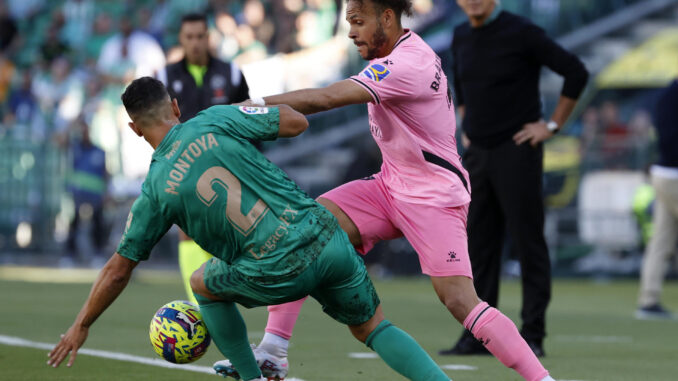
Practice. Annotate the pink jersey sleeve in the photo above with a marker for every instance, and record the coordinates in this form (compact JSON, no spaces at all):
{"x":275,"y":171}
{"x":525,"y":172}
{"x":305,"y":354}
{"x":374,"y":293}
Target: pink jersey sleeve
{"x":386,"y":82}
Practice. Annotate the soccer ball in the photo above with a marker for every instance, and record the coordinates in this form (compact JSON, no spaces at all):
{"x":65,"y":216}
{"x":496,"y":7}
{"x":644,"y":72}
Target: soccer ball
{"x":178,"y":333}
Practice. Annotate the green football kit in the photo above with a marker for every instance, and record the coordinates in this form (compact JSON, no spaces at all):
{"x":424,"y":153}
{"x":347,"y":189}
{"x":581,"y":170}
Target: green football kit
{"x":271,"y":242}
{"x":266,"y":234}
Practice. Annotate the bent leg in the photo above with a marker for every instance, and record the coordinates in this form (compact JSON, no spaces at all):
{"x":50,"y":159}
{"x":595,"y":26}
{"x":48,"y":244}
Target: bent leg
{"x":492,"y":328}
{"x":226,"y":326}
{"x":398,"y":349}
{"x":359,"y":208}
{"x":345,"y":222}
{"x":191,"y":256}
{"x":283,"y":317}
{"x":281,"y":321}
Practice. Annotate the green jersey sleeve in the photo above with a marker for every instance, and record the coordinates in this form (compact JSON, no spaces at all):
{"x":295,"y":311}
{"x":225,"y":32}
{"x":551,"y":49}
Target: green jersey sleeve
{"x":145,"y":226}
{"x":253,"y":123}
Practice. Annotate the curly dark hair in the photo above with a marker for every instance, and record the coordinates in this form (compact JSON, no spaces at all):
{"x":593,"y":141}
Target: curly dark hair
{"x":399,"y":7}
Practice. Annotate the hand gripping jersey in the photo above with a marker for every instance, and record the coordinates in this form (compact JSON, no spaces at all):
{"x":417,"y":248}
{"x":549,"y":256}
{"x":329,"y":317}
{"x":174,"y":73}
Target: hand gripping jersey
{"x":209,"y":180}
{"x":412,"y":120}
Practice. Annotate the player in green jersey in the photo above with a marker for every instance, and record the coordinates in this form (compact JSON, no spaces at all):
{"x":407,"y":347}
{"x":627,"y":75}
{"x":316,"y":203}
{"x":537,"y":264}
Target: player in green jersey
{"x":272,"y":243}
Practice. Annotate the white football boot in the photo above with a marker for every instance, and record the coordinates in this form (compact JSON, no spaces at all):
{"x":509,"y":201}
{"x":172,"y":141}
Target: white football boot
{"x":273,"y":368}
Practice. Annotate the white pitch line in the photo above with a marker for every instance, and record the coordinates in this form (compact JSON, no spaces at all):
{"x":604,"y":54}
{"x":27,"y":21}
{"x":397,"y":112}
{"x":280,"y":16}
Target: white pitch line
{"x":594,"y":339}
{"x":459,"y":367}
{"x":19,"y":342}
{"x":363,"y":355}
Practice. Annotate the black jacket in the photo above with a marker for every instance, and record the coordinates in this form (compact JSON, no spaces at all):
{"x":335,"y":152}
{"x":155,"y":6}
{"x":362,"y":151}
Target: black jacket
{"x":496,"y":70}
{"x":666,"y":123}
{"x":223,"y":83}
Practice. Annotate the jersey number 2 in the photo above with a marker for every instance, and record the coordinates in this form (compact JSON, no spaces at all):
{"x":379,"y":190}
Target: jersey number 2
{"x":222,"y":176}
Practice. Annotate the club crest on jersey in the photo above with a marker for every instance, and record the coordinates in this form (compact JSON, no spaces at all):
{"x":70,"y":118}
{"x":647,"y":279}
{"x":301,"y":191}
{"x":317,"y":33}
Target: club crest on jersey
{"x":376,"y":72}
{"x":253,"y":110}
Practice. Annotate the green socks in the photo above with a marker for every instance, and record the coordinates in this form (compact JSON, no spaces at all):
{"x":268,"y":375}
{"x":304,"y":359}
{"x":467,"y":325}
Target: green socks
{"x":227,"y":328}
{"x":403,"y":354}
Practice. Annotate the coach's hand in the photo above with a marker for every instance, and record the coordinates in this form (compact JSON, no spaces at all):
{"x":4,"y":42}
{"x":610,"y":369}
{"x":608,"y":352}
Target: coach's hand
{"x":534,"y":133}
{"x":69,"y":343}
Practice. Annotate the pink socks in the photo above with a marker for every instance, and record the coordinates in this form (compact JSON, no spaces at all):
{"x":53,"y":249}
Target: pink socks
{"x":501,"y":337}
{"x":283,"y":317}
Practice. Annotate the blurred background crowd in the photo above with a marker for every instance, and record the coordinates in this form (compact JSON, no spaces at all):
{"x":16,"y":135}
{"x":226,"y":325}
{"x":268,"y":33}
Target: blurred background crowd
{"x":64,"y":64}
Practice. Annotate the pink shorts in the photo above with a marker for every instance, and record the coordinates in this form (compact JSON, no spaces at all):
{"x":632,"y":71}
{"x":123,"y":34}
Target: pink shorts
{"x":437,"y":234}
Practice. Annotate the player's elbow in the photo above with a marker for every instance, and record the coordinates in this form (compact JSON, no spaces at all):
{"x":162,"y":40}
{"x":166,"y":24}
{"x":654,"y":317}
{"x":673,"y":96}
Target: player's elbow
{"x":119,"y":269}
{"x":292,"y":123}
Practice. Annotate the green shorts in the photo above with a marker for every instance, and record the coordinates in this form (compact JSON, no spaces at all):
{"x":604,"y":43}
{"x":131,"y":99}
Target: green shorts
{"x":337,"y":279}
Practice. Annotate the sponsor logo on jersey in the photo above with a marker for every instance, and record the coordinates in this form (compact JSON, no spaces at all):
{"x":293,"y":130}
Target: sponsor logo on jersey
{"x":175,"y":147}
{"x":253,"y":110}
{"x":453,"y":257}
{"x":376,"y":72}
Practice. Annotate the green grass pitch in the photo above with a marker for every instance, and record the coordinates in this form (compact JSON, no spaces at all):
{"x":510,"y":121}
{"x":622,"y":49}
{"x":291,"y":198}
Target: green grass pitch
{"x":592,"y":333}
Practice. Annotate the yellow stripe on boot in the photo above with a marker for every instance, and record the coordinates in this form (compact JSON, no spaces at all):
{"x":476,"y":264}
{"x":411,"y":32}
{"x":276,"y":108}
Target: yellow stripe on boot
{"x":191,"y":257}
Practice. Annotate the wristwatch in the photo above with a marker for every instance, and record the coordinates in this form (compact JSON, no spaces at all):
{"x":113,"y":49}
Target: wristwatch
{"x":553,"y":127}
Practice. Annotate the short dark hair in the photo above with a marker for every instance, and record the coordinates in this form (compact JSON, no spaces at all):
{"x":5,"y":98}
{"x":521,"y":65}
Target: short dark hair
{"x":399,"y":7}
{"x":191,"y":17}
{"x":142,"y":95}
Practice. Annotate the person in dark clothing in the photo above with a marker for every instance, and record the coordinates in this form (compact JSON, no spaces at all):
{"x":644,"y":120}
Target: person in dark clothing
{"x":198,"y":82}
{"x":497,"y":58}
{"x":664,"y":177}
{"x":8,"y":28}
{"x":87,"y":183}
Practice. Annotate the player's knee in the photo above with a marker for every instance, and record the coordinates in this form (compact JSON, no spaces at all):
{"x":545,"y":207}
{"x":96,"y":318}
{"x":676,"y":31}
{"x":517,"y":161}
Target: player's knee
{"x":197,"y":282}
{"x":457,"y":302}
{"x":363,"y":331}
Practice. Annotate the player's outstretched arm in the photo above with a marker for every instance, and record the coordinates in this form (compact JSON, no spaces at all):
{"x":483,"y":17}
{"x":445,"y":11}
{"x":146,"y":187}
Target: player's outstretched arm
{"x":292,"y":123}
{"x":111,"y":281}
{"x":309,"y":101}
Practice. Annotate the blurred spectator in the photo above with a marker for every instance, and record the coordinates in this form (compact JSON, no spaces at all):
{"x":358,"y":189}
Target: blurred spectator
{"x":144,"y":16}
{"x":251,"y":49}
{"x":25,"y":9}
{"x":8,"y":29}
{"x":157,"y":24}
{"x":285,"y":11}
{"x":6,"y":74}
{"x":78,"y":16}
{"x":130,"y":50}
{"x":226,"y":42}
{"x":101,"y":32}
{"x":615,"y":132}
{"x":87,"y":184}
{"x":640,"y":128}
{"x":664,"y":178}
{"x":590,"y":130}
{"x":21,"y":102}
{"x":53,"y":47}
{"x":59,"y":93}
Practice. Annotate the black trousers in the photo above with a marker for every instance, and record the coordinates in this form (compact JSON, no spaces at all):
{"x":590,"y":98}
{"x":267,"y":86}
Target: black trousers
{"x":506,"y":184}
{"x":97,"y":233}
